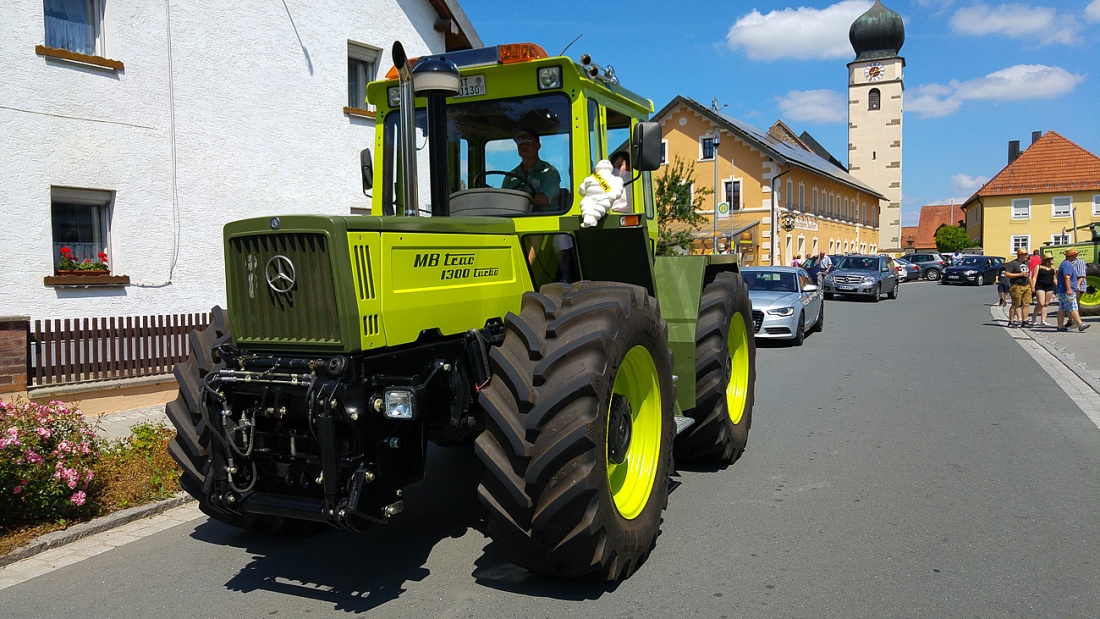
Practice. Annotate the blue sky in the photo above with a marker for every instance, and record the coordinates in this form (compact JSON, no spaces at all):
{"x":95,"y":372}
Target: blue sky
{"x":977,"y":75}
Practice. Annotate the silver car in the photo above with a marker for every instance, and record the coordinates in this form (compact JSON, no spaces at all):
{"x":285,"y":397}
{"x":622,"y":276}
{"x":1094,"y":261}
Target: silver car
{"x":786,"y":303}
{"x":863,"y":276}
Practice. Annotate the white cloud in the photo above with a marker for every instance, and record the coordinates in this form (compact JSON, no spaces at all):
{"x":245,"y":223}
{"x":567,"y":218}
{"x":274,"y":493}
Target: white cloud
{"x":961,"y":183}
{"x":1092,"y":11}
{"x":932,"y":101}
{"x":1039,"y":24}
{"x":1023,"y":81}
{"x":803,"y":33}
{"x":1016,"y":83}
{"x":814,"y":106}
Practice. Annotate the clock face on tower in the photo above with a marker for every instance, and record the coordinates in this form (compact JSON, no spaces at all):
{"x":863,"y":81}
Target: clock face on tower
{"x":873,"y":72}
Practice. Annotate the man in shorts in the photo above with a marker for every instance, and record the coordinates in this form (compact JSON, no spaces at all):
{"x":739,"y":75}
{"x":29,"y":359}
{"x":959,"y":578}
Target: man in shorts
{"x":1019,"y":289}
{"x":1067,"y":293}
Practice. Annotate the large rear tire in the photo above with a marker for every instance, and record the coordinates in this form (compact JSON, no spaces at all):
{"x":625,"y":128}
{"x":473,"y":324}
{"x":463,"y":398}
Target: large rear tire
{"x":579,"y":426}
{"x":725,"y":375}
{"x":1089,"y":302}
{"x":191,"y":447}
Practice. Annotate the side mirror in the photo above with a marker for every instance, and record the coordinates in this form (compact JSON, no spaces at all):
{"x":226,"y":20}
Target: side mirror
{"x":367,"y":168}
{"x":645,"y":146}
{"x":809,"y":288}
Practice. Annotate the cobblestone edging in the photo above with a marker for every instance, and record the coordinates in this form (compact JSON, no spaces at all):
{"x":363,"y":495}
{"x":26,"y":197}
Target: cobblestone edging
{"x":84,"y":529}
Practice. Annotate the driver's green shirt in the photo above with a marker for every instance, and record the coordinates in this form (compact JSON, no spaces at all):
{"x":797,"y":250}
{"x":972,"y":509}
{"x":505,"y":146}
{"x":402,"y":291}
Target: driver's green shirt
{"x":544,"y":179}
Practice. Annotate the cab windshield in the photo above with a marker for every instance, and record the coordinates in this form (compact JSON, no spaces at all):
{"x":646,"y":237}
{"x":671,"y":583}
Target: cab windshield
{"x":485,"y":140}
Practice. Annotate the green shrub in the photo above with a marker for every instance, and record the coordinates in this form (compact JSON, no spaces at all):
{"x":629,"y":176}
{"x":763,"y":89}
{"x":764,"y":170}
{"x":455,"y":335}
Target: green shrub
{"x":48,"y":454}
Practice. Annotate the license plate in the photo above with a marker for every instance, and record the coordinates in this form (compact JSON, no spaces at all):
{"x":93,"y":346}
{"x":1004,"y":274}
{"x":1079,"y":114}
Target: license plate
{"x":952,"y":277}
{"x":472,"y":86}
{"x":845,"y":287}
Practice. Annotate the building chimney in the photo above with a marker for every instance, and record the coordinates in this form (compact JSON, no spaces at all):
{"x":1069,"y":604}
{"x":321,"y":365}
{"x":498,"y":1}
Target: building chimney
{"x":1035,"y":135}
{"x":1013,"y":150}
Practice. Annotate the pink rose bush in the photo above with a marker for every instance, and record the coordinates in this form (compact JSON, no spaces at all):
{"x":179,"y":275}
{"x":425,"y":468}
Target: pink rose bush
{"x":47,"y":456}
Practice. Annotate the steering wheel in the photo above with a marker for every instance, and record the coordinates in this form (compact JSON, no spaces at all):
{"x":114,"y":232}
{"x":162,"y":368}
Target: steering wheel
{"x":479,"y":180}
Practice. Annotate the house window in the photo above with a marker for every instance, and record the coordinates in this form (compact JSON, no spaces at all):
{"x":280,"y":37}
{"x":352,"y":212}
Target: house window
{"x":81,"y":220}
{"x":733,"y":195}
{"x":790,"y":193}
{"x":817,"y":210}
{"x":1021,"y":209}
{"x":362,"y":69}
{"x":664,"y":152}
{"x":1061,"y":206}
{"x":75,"y":25}
{"x":1059,"y":239}
{"x":1020,"y":241}
{"x":874,"y":99}
{"x":802,"y":197}
{"x":1096,"y":206}
{"x":707,"y":145}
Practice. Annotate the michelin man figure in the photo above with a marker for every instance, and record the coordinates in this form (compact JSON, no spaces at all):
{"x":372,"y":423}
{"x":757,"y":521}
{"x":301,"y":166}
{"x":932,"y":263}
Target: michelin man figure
{"x":598,"y":193}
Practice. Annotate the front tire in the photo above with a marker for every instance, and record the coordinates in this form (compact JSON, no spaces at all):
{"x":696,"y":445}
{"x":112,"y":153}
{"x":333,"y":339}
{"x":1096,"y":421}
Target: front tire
{"x":800,"y":334}
{"x":980,"y":280}
{"x":578,"y":441}
{"x":893,"y":294}
{"x":191,"y":447}
{"x":820,"y":326}
{"x":1088,"y":304}
{"x":876,"y":295}
{"x":725,"y":375}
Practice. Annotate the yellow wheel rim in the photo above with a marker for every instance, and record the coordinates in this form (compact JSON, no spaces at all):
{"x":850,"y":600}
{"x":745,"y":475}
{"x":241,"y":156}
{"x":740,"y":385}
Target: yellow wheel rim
{"x":1091,"y":296}
{"x":737,"y":388}
{"x":632,"y":463}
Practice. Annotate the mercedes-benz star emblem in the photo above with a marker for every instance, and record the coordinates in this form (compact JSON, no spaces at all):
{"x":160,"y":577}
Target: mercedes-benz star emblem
{"x":280,"y":274}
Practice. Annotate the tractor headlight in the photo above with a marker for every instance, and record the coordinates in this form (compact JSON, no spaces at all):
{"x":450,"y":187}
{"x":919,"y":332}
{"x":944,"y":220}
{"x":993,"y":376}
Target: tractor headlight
{"x":400,"y":404}
{"x":781,"y":311}
{"x":549,"y":78}
{"x":394,"y":95}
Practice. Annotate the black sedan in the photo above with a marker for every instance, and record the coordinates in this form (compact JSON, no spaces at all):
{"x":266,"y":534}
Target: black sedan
{"x":977,"y":270}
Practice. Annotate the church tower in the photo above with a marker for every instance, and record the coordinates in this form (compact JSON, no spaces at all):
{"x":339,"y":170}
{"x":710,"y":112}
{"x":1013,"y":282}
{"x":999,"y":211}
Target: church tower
{"x":875,"y":89}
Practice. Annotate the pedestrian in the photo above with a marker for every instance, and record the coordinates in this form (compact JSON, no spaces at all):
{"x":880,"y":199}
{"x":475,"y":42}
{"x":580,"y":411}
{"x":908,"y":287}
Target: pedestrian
{"x":1002,"y":288}
{"x":1067,"y":293}
{"x":1042,"y":281}
{"x":1034,"y":261}
{"x":1081,"y":271}
{"x":1019,"y":289}
{"x":797,"y":262}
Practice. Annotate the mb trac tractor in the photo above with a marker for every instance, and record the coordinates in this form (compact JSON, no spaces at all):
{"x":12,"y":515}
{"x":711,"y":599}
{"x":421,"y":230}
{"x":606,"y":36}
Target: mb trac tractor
{"x":1088,"y":251}
{"x":573,"y":358}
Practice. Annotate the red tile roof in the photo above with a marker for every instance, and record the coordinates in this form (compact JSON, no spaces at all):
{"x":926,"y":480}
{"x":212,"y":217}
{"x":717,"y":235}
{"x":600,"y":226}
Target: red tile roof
{"x":1051,"y":164}
{"x":931,"y":218}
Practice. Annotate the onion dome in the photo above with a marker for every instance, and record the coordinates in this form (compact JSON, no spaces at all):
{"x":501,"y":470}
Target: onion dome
{"x":878,"y":33}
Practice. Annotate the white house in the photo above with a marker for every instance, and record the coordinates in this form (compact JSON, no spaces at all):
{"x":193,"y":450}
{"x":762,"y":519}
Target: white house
{"x":140,"y":128}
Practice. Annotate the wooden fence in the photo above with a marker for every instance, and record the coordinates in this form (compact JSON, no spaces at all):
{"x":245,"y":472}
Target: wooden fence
{"x":67,"y":351}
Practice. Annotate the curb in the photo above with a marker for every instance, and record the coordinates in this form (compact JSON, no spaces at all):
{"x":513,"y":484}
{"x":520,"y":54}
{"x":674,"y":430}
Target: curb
{"x":98,"y":525}
{"x":1070,"y":364}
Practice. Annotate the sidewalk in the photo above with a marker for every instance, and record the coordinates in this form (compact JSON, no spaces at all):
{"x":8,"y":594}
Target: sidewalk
{"x":117,"y":425}
{"x":1079,"y":352}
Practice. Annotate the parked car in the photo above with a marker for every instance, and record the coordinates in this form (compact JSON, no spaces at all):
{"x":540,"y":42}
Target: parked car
{"x":931,"y":264}
{"x":978,"y":270}
{"x":863,"y":275}
{"x":911,"y":270}
{"x":814,"y":268}
{"x":786,"y":302}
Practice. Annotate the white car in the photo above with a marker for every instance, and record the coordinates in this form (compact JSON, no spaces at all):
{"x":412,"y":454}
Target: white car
{"x":786,"y":302}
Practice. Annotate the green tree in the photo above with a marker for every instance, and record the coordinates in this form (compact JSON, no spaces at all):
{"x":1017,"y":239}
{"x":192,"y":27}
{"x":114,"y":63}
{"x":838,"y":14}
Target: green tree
{"x":952,"y":238}
{"x":677,"y":207}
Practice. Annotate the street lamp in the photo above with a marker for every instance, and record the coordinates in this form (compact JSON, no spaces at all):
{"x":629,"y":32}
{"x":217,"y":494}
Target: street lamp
{"x":716,"y":141}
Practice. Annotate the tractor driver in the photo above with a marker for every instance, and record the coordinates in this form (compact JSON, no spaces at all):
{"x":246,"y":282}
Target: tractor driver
{"x":539,"y":178}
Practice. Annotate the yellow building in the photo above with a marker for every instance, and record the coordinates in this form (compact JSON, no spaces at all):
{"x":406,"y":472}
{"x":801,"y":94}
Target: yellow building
{"x":784,"y":198}
{"x":1038,"y":198}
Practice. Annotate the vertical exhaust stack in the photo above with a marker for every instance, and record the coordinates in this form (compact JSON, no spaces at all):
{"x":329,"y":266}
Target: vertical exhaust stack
{"x":407,"y":130}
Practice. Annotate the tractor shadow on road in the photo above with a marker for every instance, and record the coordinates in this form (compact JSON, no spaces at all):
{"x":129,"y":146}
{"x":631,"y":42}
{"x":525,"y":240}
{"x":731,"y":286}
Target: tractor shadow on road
{"x":357,"y":572}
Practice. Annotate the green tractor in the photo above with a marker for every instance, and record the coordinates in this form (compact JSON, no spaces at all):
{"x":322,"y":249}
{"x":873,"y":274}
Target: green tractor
{"x":574,"y":359}
{"x":1088,"y":303}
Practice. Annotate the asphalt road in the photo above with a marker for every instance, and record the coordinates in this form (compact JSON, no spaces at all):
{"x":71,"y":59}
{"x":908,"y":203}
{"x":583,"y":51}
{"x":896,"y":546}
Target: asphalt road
{"x":909,"y":461}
